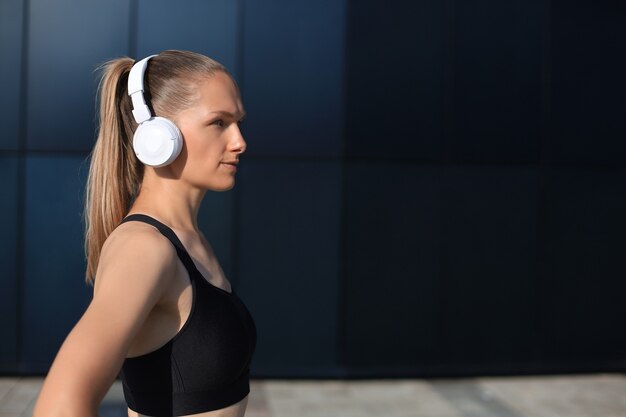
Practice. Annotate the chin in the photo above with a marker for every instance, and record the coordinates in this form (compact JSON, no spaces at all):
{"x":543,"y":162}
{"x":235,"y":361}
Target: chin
{"x":221,"y":187}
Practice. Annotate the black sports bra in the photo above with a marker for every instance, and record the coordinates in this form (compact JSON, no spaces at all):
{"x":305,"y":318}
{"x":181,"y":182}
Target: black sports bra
{"x":206,"y":365}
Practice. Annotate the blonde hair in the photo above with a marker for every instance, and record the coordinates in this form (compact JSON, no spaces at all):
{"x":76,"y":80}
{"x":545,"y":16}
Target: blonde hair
{"x":115,"y":173}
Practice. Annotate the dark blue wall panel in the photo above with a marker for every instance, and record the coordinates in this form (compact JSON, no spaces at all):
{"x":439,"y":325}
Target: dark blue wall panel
{"x":10,"y":71}
{"x":394,"y":78}
{"x":288,"y":260}
{"x":55,"y":294}
{"x":391,"y":254}
{"x":489,"y":264}
{"x":445,"y":175}
{"x":207,"y":27}
{"x":588,"y":84}
{"x":215,"y":220}
{"x":8,"y":261}
{"x":68,"y":40}
{"x":496,"y":102}
{"x":292,"y":76}
{"x":583,"y":307}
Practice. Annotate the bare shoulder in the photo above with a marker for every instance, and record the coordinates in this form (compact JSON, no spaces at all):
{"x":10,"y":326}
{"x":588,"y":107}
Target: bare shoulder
{"x":137,"y":265}
{"x":136,"y":253}
{"x":138,"y":238}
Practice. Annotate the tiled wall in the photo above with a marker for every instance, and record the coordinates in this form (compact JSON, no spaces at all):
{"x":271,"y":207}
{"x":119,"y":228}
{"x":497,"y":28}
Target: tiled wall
{"x":430,"y":187}
{"x":484,"y":187}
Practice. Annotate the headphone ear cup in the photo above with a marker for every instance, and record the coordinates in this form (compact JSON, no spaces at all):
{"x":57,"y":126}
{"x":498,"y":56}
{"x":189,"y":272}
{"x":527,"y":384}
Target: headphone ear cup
{"x":157,"y":142}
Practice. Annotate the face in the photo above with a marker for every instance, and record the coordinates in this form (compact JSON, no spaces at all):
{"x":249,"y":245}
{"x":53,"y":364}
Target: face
{"x":211,"y":134}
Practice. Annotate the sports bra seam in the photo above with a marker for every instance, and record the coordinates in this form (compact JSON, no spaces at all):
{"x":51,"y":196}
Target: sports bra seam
{"x":179,"y":377}
{"x":244,"y":373}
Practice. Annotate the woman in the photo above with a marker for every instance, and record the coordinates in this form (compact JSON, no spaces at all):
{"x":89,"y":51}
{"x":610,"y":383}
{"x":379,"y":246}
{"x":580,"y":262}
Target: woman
{"x":163,"y":315}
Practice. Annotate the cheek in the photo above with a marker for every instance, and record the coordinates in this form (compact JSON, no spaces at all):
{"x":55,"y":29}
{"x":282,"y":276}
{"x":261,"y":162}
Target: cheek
{"x":203,"y":151}
{"x":202,"y":146}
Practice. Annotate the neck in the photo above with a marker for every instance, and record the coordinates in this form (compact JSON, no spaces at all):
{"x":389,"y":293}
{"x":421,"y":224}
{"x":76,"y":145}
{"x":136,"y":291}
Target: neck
{"x":169,"y":200}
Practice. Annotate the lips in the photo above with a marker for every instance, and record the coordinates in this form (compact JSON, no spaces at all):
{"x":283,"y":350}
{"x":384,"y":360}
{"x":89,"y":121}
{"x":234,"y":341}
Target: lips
{"x":231,"y":166}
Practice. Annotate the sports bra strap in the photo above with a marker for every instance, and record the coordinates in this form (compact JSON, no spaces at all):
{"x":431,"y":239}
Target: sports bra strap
{"x":171,"y":236}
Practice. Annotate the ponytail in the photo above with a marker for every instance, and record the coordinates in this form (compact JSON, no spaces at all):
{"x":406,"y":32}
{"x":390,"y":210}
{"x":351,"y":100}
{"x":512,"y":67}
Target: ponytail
{"x":114,"y":173}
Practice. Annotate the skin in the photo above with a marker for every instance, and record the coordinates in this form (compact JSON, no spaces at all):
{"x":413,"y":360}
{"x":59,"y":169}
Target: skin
{"x":131,"y":317}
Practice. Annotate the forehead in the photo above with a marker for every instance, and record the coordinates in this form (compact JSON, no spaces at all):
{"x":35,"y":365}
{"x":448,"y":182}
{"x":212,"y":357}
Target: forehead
{"x":218,"y":93}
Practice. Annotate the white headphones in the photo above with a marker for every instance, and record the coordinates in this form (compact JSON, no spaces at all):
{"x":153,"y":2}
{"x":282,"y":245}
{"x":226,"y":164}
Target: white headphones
{"x":157,"y":140}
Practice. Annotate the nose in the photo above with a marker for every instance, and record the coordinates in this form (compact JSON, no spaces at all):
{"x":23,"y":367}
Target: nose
{"x":238,"y":144}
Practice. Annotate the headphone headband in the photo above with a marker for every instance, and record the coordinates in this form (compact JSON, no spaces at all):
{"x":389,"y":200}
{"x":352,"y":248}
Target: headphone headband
{"x":141,"y":111}
{"x":157,"y":141}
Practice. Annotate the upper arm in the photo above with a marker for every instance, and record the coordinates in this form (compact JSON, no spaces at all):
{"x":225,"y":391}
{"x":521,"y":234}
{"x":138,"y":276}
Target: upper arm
{"x":135,"y":269}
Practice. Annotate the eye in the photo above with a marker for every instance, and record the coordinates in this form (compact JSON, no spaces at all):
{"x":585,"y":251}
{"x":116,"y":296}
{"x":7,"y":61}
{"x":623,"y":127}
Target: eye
{"x":218,"y":122}
{"x":240,"y":122}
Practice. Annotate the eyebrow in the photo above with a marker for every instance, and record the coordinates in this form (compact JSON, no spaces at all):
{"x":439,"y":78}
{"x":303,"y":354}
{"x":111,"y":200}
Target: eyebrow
{"x":228,"y":114}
